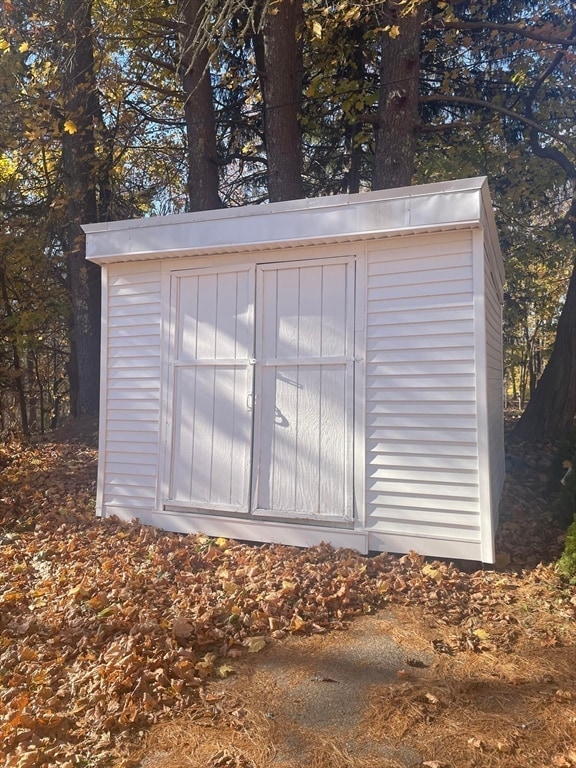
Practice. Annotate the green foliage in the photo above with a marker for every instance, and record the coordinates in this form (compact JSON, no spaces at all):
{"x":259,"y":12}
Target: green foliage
{"x":564,"y":506}
{"x":567,"y":563}
{"x":33,"y":329}
{"x":492,"y":74}
{"x":530,"y":199}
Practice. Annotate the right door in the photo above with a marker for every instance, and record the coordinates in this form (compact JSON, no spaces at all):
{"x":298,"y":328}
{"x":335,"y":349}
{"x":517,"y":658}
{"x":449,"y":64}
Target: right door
{"x":304,"y":381}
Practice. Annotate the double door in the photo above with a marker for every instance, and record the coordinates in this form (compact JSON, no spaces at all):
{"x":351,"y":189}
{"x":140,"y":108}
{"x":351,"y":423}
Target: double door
{"x":262,"y":390}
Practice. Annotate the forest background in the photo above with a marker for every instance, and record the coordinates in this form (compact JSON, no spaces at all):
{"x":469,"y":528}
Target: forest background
{"x":115,"y":110}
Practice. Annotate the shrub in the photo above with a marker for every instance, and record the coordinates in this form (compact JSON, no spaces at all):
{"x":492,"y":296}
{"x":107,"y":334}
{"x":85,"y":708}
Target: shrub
{"x":567,"y":563}
{"x":566,"y":503}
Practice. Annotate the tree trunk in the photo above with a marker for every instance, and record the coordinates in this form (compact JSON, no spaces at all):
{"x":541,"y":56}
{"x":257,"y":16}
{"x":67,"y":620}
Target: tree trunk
{"x":397,"y":115}
{"x":202,"y":181}
{"x":16,"y":363}
{"x":355,"y":72}
{"x":282,"y":92}
{"x":79,"y":166}
{"x":551,"y":410}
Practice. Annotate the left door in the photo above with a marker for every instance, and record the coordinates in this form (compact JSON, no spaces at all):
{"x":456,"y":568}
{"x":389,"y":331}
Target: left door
{"x":211,"y":360}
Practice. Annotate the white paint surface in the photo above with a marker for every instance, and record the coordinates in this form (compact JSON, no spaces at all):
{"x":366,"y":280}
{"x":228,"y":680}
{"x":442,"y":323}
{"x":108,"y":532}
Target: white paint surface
{"x":317,"y":370}
{"x":304,"y":390}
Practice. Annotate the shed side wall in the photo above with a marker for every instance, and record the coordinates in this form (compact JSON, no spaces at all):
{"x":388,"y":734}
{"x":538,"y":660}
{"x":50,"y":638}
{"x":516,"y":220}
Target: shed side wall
{"x":494,"y":379}
{"x":132,"y":395}
{"x":422,"y":489}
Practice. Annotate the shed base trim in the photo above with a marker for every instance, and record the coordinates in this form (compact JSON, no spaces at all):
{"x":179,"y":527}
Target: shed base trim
{"x":264,"y":531}
{"x":261,"y":516}
{"x":426,"y":545}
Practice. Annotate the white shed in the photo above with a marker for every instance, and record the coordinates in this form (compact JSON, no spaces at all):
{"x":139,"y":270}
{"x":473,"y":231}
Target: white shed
{"x":317,"y":370}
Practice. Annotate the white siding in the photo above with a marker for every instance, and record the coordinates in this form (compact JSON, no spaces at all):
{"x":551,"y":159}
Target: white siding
{"x":494,"y":376}
{"x":132,"y":389}
{"x":213,"y":342}
{"x":421,"y":430}
{"x":304,"y":390}
{"x":424,"y":372}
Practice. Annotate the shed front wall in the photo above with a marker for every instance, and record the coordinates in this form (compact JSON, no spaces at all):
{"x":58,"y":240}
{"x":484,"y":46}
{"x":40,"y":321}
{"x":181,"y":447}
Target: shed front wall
{"x":416,"y":474}
{"x":130,"y":397}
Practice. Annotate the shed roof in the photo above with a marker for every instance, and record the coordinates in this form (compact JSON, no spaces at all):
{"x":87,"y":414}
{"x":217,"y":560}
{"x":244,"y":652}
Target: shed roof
{"x":464,"y":203}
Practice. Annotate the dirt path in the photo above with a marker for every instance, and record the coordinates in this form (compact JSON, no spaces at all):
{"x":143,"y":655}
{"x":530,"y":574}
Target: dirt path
{"x":318,"y":689}
{"x":383,"y":694}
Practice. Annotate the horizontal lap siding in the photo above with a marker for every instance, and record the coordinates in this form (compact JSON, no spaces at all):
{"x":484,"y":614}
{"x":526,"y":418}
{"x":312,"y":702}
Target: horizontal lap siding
{"x":421,"y":433}
{"x":494,"y":385}
{"x":133,"y":388}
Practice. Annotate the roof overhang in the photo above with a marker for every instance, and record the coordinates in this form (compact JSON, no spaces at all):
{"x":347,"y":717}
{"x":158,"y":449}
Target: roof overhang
{"x":461,"y":204}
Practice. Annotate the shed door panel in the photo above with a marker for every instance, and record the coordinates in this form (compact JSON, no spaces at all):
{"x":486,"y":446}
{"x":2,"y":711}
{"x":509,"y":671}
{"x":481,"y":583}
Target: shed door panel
{"x":213,"y":379}
{"x":304,"y":383}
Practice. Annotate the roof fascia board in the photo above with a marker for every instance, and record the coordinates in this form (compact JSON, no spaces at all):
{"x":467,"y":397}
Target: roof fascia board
{"x":341,"y":218}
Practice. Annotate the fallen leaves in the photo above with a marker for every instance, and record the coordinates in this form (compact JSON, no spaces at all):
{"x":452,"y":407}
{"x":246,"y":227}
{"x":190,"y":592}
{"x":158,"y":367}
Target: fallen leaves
{"x":565,"y":761}
{"x":255,"y":644}
{"x":107,"y":627}
{"x":182,"y":629}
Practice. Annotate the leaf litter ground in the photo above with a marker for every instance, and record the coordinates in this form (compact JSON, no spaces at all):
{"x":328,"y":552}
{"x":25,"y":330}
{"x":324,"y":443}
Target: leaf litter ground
{"x":123,"y":645}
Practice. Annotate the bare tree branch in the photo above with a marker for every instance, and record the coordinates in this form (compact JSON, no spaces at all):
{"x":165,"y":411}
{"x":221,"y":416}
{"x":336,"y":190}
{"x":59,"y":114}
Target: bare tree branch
{"x":528,"y":121}
{"x":511,"y":29}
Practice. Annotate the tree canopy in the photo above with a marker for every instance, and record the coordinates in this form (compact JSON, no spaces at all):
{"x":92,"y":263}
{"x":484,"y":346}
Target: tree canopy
{"x":117,"y":110}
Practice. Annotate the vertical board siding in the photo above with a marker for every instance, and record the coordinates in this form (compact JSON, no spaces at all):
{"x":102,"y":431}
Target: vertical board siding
{"x":303,"y":421}
{"x":133,"y":387}
{"x":212,"y":381}
{"x":421,"y":430}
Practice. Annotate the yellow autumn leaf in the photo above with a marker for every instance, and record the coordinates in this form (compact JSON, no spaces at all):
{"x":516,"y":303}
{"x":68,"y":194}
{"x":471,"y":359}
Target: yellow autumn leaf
{"x":255,"y":644}
{"x":23,"y":47}
{"x":225,"y":670}
{"x":481,"y":634}
{"x":352,"y":14}
{"x":70,"y":126}
{"x":204,"y":668}
{"x":433,"y":573}
{"x":4,"y":45}
{"x":317,"y":29}
{"x":79,"y":592}
{"x":28,"y":654}
{"x":297,"y":624}
{"x":394,"y":31}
